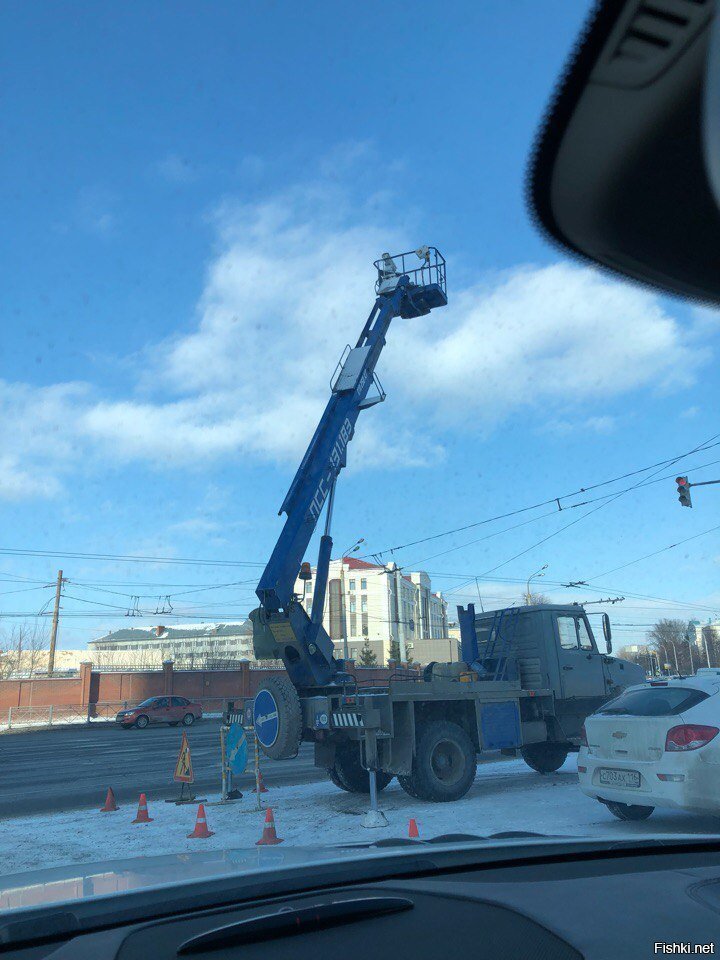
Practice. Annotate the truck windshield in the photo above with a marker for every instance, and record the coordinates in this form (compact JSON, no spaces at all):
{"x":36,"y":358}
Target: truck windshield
{"x":654,"y":702}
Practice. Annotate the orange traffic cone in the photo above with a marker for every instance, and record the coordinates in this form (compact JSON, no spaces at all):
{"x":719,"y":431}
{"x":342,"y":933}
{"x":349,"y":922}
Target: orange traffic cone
{"x":201,"y":831}
{"x":269,"y":837}
{"x":142,"y":814}
{"x":261,"y":782}
{"x":110,"y":805}
{"x":413,"y":831}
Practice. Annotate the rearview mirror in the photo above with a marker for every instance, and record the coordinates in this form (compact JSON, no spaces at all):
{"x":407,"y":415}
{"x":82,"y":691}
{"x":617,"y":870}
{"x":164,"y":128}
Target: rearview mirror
{"x":626,"y":173}
{"x":607,"y":632}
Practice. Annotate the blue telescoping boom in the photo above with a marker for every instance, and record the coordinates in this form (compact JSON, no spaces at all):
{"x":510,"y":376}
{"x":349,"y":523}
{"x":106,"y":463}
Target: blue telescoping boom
{"x":281,"y":626}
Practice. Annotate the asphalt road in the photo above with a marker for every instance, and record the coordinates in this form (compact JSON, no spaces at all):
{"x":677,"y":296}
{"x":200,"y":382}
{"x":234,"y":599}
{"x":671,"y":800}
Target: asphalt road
{"x":49,"y":770}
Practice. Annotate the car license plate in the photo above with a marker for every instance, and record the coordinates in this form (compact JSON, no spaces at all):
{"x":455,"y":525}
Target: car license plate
{"x":619,"y":778}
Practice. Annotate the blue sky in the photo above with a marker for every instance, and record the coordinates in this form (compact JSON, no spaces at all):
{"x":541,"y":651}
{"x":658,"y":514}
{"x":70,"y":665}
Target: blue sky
{"x":194,"y":195}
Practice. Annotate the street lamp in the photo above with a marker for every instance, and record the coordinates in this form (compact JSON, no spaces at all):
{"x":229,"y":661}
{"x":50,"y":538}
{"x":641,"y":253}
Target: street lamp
{"x":538,"y":573}
{"x":353,"y":549}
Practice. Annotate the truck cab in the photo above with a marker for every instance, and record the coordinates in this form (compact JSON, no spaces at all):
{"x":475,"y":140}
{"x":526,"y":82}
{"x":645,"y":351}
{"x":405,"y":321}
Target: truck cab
{"x":549,"y":646}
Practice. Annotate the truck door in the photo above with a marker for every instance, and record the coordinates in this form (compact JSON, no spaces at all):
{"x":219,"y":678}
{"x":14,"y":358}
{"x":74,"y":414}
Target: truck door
{"x":581,"y":669}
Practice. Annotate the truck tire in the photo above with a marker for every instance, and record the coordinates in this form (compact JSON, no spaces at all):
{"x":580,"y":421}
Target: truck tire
{"x":545,"y":757}
{"x":332,"y":773}
{"x":445,"y":763}
{"x":407,"y":785}
{"x":349,"y":774}
{"x":277,"y":717}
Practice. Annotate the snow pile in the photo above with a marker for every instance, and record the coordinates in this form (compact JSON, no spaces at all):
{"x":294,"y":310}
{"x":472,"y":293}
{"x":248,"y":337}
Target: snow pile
{"x":505,"y":796}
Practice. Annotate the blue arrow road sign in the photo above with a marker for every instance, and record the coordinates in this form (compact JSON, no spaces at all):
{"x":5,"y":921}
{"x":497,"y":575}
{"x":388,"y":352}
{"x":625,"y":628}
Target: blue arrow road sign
{"x":265,"y":718}
{"x":237,"y":750}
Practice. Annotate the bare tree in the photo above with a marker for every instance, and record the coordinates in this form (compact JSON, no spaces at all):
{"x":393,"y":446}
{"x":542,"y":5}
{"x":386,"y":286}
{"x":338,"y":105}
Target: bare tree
{"x":8,"y":655}
{"x":24,"y":649}
{"x":670,"y":639}
{"x":36,"y":649}
{"x":531,"y":598}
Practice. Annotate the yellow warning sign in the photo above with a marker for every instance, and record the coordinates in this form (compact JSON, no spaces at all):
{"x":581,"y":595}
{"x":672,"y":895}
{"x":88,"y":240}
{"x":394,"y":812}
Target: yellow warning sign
{"x":281,"y":630}
{"x":183,"y":767}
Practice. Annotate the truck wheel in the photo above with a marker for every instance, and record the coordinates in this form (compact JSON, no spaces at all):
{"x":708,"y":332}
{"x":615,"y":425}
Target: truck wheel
{"x":277,"y":717}
{"x":407,"y":785}
{"x":445,"y":764}
{"x":349,"y":774}
{"x":332,"y":773}
{"x":628,"y":811}
{"x":545,"y":757}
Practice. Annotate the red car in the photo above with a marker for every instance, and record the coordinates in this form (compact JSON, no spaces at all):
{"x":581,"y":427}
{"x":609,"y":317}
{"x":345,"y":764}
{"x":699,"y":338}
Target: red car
{"x":170,"y":710}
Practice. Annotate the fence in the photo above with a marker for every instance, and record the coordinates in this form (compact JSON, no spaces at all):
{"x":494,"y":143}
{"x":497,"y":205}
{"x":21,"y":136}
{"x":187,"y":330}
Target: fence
{"x":181,"y":663}
{"x":94,"y":696}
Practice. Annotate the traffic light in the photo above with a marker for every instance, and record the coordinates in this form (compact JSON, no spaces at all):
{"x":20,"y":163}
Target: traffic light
{"x":683,"y":489}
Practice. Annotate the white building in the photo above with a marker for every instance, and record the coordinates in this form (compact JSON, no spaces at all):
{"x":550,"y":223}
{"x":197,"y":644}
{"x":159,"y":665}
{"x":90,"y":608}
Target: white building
{"x":710,"y":630}
{"x":366,"y":600}
{"x":183,"y":643}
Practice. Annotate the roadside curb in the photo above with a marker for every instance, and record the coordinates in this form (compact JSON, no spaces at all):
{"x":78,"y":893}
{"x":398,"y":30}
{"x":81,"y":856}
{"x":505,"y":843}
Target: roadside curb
{"x":55,"y":726}
{"x":83,"y":725}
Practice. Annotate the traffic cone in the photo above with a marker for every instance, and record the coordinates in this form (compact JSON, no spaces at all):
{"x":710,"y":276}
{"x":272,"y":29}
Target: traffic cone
{"x":269,"y":837}
{"x":413,"y":831}
{"x":261,"y":782}
{"x":142,"y":814}
{"x":201,"y":831}
{"x":110,"y":805}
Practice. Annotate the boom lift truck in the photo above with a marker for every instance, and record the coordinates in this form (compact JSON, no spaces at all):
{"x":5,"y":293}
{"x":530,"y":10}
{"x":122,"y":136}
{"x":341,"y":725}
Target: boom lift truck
{"x":513,"y":691}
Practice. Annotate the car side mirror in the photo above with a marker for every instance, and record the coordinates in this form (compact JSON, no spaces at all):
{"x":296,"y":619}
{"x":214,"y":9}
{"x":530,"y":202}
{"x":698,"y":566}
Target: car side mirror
{"x":607,"y":632}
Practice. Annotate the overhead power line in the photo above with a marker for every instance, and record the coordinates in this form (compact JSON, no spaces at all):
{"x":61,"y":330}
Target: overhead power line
{"x":707,"y":445}
{"x":589,"y":513}
{"x":655,"y":553}
{"x":77,"y":555}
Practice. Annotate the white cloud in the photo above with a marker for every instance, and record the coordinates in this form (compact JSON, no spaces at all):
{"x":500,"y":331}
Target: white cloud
{"x":17,"y":483}
{"x":289,"y":285}
{"x":561,"y":428}
{"x":550,"y":337}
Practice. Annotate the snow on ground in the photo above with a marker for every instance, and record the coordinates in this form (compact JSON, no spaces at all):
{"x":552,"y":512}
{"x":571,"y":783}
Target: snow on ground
{"x":505,"y":796}
{"x":44,"y":723}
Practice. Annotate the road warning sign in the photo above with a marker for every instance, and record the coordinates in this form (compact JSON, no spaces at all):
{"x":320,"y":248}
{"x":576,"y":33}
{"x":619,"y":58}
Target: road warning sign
{"x":183,"y":767}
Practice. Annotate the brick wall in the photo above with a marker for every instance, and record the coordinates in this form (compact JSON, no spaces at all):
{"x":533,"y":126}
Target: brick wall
{"x":92,"y":687}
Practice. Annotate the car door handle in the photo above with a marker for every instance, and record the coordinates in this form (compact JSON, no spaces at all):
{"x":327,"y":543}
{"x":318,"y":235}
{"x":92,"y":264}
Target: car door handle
{"x":567,"y":667}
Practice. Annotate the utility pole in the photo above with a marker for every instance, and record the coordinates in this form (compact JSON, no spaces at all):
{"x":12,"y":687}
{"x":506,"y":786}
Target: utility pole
{"x":343,"y":606}
{"x":401,"y":632}
{"x":56,"y":615}
{"x":343,"y":613}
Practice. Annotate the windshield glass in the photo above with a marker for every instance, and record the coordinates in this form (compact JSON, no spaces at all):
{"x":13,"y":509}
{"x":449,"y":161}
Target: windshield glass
{"x":654,"y":702}
{"x":319,"y":461}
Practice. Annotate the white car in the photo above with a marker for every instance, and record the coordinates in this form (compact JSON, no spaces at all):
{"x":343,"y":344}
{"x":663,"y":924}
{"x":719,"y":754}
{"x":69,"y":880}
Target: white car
{"x":656,"y":745}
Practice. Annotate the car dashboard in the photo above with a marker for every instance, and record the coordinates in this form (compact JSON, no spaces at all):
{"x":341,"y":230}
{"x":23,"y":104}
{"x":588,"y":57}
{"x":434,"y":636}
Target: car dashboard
{"x":609,"y":904}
